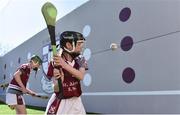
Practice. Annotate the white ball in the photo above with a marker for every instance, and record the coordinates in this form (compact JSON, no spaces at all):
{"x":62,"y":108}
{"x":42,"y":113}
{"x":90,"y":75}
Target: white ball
{"x":113,"y":46}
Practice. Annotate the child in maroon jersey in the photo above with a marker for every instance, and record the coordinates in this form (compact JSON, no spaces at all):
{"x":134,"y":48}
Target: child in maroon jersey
{"x":17,"y":86}
{"x":70,"y":68}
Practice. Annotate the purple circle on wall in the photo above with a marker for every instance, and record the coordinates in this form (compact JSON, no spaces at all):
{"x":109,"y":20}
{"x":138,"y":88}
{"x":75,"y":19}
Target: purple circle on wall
{"x":4,"y":66}
{"x":19,"y":60}
{"x":4,"y":76}
{"x":128,"y":75}
{"x":126,"y":43}
{"x":124,"y":14}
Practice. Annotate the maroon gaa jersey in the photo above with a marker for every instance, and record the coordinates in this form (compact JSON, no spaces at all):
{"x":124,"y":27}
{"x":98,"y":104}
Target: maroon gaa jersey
{"x":25,"y":70}
{"x":71,"y":85}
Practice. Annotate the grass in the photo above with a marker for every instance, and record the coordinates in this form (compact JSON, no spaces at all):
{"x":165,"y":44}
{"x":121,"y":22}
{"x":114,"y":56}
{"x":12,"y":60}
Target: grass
{"x":4,"y":110}
{"x":30,"y":110}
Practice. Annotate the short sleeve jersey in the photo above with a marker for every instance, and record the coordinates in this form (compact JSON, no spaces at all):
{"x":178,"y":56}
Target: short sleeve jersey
{"x":71,"y":85}
{"x":25,"y":70}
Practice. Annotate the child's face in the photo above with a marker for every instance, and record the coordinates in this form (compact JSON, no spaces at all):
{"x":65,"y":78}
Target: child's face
{"x":79,"y":46}
{"x":35,"y":65}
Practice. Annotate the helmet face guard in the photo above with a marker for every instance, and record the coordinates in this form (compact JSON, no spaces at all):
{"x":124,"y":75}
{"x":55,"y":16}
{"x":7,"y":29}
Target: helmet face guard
{"x":71,"y":37}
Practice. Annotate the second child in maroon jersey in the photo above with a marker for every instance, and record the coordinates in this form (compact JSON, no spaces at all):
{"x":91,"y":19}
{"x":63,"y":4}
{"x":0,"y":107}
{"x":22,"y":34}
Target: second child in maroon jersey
{"x":17,"y":86}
